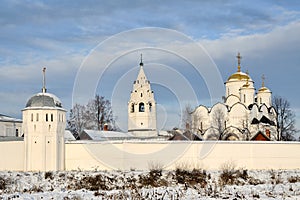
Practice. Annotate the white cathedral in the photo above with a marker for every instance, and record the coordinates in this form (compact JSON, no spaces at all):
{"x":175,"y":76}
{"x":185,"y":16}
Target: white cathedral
{"x":244,"y":115}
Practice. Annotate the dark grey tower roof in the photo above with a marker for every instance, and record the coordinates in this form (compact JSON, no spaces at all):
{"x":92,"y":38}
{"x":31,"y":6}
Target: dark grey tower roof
{"x":44,"y":100}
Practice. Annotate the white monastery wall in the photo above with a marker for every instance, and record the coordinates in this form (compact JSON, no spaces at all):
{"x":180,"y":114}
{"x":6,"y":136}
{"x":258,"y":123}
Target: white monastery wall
{"x":209,"y":155}
{"x":141,"y":155}
{"x":12,"y":156}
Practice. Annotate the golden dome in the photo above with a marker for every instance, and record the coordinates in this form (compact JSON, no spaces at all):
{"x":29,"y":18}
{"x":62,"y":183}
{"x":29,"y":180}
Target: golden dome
{"x":240,"y":76}
{"x":264,"y":89}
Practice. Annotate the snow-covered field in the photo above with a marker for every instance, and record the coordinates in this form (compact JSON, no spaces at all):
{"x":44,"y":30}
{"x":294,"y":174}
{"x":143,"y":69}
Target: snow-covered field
{"x":154,"y":184}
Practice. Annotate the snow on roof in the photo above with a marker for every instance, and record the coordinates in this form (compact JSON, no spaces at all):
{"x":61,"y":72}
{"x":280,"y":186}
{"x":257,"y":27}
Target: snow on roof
{"x":104,"y":135}
{"x":69,"y":136}
{"x":5,"y":118}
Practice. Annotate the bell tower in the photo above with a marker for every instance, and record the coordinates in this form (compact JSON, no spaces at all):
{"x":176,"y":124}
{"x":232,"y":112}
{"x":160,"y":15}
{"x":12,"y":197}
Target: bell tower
{"x":142,"y":107}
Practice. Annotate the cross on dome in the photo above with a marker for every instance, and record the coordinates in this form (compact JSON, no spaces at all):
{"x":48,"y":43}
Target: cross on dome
{"x":239,"y":57}
{"x":263,"y":78}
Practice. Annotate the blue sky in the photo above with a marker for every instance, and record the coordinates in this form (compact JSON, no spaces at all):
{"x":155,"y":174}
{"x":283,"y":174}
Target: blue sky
{"x":66,"y":36}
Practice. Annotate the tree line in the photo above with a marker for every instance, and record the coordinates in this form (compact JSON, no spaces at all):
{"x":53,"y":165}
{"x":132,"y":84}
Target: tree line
{"x":93,"y":116}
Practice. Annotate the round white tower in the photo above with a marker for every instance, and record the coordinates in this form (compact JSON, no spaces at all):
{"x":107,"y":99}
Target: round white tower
{"x":44,"y":122}
{"x":264,"y":95}
{"x":247,"y":92}
{"x":142,"y":107}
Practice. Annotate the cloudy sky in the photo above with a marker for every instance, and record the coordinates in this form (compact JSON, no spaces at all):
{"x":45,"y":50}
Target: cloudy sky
{"x":188,"y":48}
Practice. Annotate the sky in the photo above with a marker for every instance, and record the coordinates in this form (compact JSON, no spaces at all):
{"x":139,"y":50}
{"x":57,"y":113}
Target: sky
{"x":188,"y":47}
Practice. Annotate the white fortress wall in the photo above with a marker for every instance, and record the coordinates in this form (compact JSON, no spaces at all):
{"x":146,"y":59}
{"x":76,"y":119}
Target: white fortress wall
{"x":12,"y":156}
{"x":141,"y":155}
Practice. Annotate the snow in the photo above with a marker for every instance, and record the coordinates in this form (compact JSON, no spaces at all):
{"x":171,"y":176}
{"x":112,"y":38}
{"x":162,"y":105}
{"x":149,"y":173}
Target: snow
{"x":105,"y":135}
{"x":69,"y":136}
{"x":54,"y":97}
{"x":9,"y":119}
{"x":282,"y":184}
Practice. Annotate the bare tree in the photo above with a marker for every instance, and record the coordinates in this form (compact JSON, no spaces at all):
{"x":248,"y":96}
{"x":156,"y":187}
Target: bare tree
{"x":285,"y":119}
{"x":245,"y":124}
{"x":76,"y":121}
{"x":99,"y":112}
{"x":93,"y":116}
{"x":187,"y":117}
{"x":219,"y":122}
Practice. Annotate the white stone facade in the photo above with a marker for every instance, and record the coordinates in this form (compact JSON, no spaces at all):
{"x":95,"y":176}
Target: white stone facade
{"x":44,"y":122}
{"x":142,"y":107}
{"x":244,"y":115}
{"x":10,"y":127}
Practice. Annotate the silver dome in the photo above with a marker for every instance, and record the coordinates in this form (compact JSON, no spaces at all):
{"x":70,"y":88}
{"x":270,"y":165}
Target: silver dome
{"x":44,"y":100}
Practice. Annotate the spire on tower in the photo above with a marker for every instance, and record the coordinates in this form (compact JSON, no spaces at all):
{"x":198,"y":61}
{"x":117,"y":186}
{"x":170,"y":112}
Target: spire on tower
{"x":239,"y":57}
{"x":141,"y":63}
{"x":44,"y":90}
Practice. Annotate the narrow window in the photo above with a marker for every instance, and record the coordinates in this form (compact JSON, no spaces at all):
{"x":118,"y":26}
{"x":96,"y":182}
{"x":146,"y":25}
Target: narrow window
{"x":260,"y":99}
{"x":51,"y":117}
{"x":141,"y":94}
{"x":244,"y":98}
{"x":201,"y":126}
{"x":17,"y":132}
{"x":37,"y":117}
{"x":150,"y":107}
{"x":141,"y":107}
{"x":32,"y":117}
{"x":46,"y":117}
{"x":132,"y":108}
{"x":49,"y":127}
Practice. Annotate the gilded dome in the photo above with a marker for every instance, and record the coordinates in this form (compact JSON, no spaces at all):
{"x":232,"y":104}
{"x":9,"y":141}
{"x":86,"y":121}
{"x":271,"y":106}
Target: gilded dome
{"x":240,"y":76}
{"x":263,"y":89}
{"x":44,"y":100}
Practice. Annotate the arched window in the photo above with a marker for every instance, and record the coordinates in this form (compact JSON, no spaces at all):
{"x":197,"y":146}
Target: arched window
{"x":132,"y":108}
{"x":46,"y":117}
{"x":141,"y":107}
{"x":150,"y":107}
{"x":37,"y":117}
{"x":32,"y":117}
{"x":141,"y":94}
{"x":51,"y":117}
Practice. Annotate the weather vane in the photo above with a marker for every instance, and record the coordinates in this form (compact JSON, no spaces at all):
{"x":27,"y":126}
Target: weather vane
{"x":44,"y":90}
